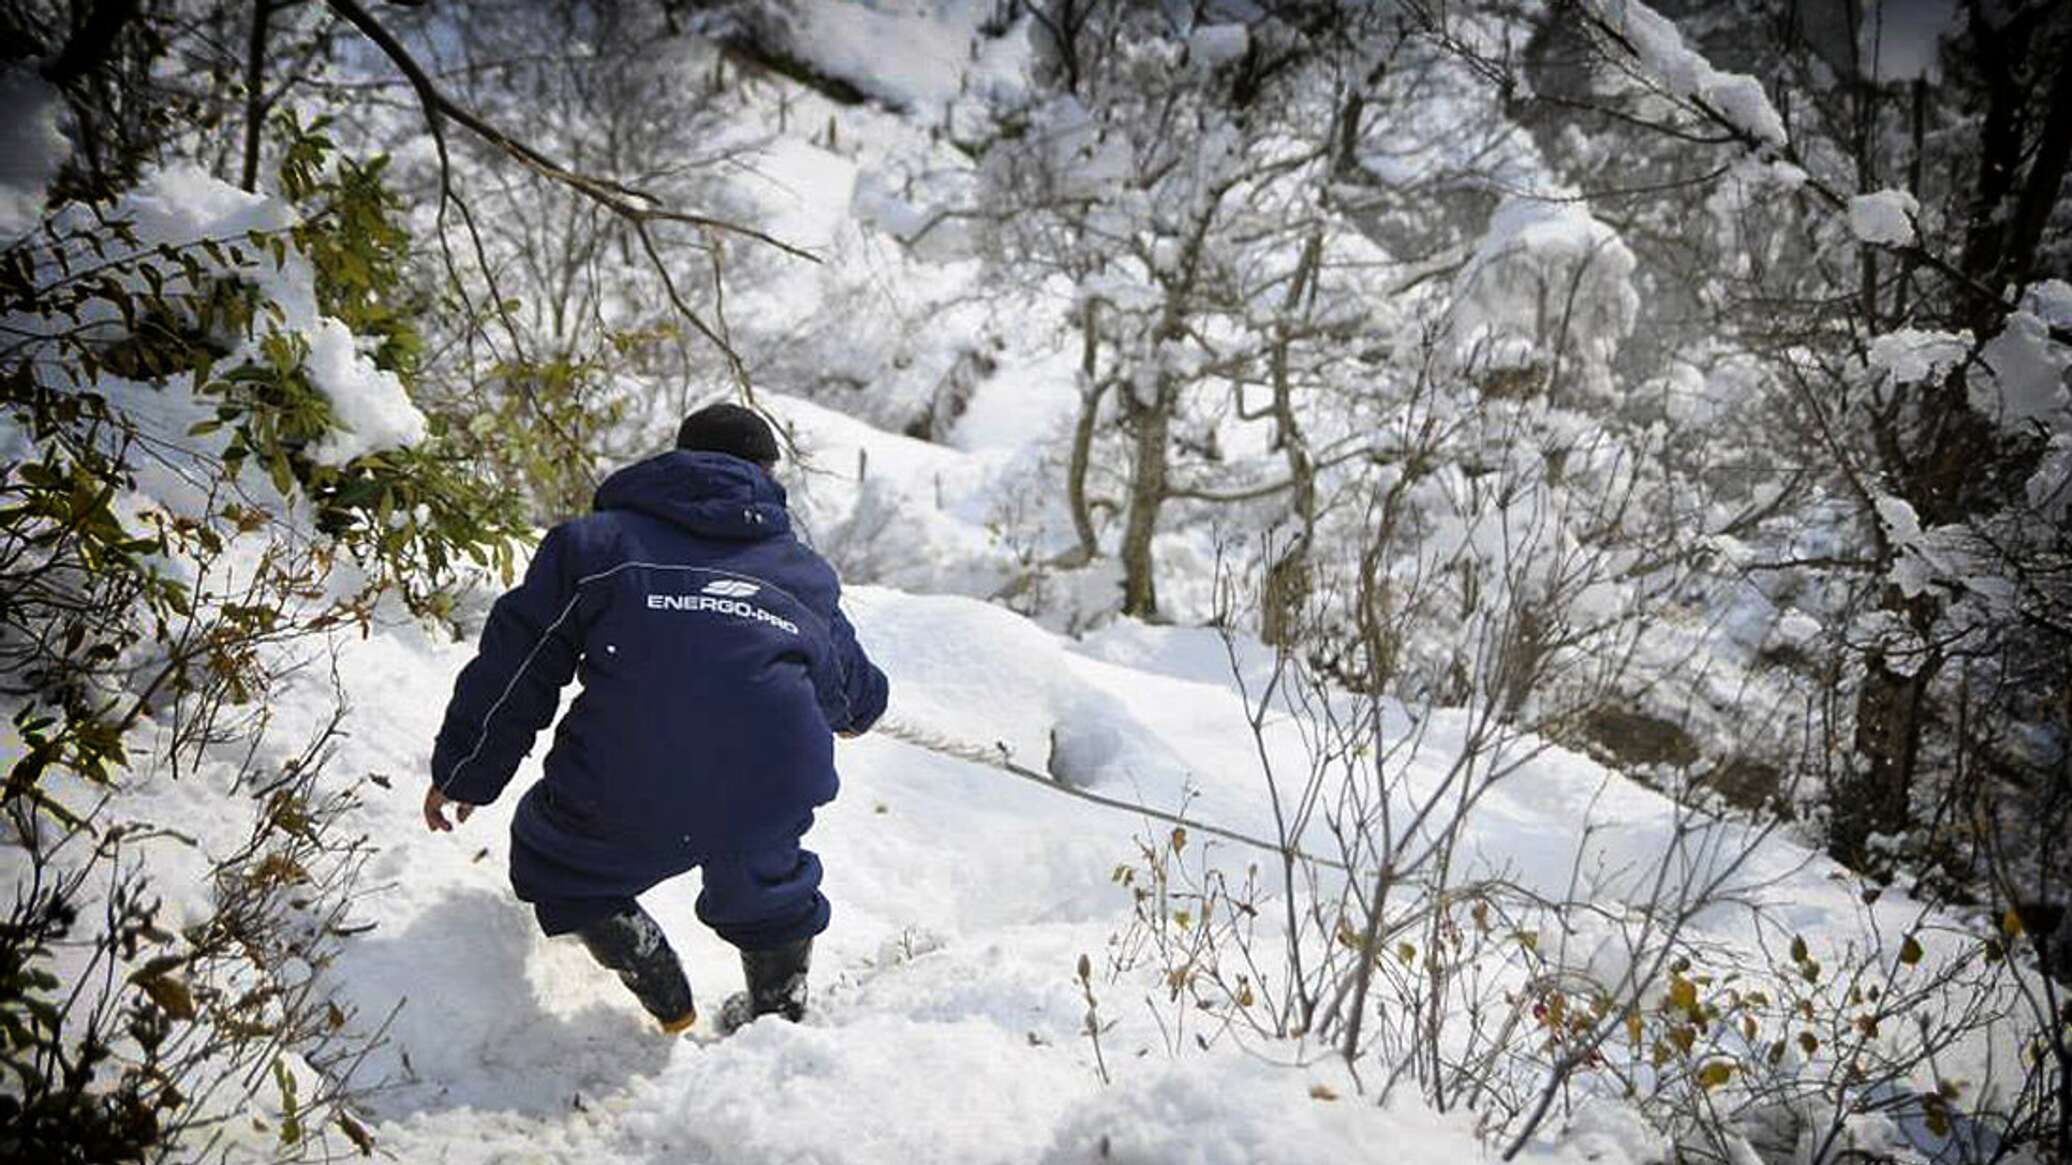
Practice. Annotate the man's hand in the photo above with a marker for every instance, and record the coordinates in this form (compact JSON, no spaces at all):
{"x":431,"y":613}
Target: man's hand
{"x":435,"y":804}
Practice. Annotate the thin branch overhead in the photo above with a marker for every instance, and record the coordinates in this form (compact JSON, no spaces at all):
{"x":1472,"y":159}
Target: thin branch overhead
{"x":635,"y":207}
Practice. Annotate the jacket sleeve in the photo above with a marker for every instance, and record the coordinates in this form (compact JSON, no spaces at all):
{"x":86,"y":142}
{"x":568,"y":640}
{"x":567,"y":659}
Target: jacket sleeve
{"x":529,"y":649}
{"x":864,"y":687}
{"x":850,"y":688}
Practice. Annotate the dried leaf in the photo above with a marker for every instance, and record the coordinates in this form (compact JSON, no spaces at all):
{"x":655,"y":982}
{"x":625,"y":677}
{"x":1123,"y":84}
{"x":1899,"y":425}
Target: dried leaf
{"x":357,"y":1134}
{"x":171,"y":995}
{"x":1683,"y":994}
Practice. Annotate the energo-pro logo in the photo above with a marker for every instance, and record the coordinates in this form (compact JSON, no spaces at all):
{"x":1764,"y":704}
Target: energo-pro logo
{"x":726,"y":596}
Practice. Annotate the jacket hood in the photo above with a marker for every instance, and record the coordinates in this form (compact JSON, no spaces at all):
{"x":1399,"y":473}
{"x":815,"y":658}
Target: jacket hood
{"x":715,"y":495}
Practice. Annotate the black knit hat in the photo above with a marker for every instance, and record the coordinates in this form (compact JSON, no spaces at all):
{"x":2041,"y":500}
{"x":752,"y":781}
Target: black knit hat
{"x":729,"y":428}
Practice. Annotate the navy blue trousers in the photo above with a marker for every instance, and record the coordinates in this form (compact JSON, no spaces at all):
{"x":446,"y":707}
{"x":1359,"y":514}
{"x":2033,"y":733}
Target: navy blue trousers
{"x":758,"y":901}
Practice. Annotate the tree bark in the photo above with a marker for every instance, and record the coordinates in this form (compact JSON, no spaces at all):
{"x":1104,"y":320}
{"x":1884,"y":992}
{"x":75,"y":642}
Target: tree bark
{"x":1091,"y":390}
{"x":255,"y":92}
{"x":1153,"y":425}
{"x":1286,"y":595}
{"x":1877,"y":798}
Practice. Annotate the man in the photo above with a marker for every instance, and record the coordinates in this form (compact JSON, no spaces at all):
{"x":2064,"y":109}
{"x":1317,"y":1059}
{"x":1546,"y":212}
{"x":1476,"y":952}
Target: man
{"x":715,"y":663}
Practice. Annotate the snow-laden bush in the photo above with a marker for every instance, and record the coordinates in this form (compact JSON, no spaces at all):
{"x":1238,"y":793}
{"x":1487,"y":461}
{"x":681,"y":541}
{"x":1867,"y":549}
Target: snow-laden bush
{"x":1544,"y":302}
{"x":209,"y":462}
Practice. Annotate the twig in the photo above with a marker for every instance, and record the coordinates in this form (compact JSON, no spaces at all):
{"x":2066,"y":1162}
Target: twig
{"x":636,"y":207}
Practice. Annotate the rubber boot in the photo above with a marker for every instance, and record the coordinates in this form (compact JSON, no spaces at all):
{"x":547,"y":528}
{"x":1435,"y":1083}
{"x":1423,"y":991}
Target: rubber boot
{"x":776,"y":986}
{"x":631,"y":944}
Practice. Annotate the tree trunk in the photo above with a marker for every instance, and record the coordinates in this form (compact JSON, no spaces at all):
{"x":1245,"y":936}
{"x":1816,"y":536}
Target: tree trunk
{"x":255,"y":92}
{"x":1091,"y":390}
{"x":1876,"y":797}
{"x":1285,"y":597}
{"x":1153,"y":422}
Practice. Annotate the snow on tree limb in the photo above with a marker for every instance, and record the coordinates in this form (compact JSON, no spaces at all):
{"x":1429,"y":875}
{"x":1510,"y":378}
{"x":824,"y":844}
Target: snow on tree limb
{"x":637,"y":208}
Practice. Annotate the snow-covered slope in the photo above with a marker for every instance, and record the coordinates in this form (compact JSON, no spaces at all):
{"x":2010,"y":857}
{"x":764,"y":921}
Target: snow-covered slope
{"x":948,"y":1021}
{"x":948,"y":1024}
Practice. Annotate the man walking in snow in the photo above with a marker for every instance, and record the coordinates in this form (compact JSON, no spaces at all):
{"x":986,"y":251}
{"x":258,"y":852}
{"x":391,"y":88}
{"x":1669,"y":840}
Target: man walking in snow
{"x":716,"y":664}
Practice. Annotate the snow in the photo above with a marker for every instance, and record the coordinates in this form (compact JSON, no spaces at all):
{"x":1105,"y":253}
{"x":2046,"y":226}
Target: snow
{"x":1912,"y":355}
{"x":1798,"y":628}
{"x":2050,"y":301}
{"x":947,"y":1022}
{"x":1884,"y":217}
{"x":1533,"y":253}
{"x":181,"y":205}
{"x":2028,"y":380}
{"x":1900,"y":520}
{"x":1684,"y":73}
{"x":370,"y":406}
{"x":1215,"y":44}
{"x":32,"y":148}
{"x":941,"y":57}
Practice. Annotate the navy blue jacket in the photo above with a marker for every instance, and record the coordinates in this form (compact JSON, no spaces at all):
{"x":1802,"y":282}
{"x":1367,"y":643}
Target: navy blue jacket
{"x":715,"y":664}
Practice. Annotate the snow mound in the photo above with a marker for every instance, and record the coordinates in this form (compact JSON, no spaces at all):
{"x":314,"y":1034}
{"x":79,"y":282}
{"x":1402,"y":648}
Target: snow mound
{"x":1884,"y":217}
{"x":982,"y":675}
{"x":1535,"y":253}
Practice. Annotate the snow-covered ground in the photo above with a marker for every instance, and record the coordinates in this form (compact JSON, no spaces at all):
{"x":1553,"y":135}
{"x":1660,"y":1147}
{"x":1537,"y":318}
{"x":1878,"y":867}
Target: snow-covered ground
{"x":948,"y":1024}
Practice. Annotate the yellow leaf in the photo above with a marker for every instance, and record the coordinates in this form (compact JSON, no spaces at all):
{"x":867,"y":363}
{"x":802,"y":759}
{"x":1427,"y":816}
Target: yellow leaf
{"x":1715,"y":1074}
{"x":171,"y":995}
{"x":1910,"y":951}
{"x":2011,"y":923}
{"x":1322,"y":1092}
{"x":1683,"y":994}
{"x":1798,"y":949}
